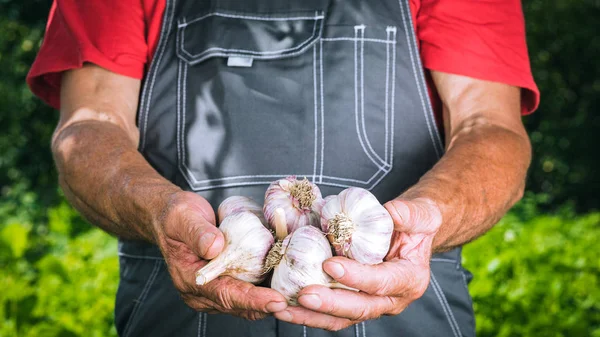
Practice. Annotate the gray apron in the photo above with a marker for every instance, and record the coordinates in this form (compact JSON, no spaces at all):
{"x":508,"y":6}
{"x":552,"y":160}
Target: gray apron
{"x":241,"y":93}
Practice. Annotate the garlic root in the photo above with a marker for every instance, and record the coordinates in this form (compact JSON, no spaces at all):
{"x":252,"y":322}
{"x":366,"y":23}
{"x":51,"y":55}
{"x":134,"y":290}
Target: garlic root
{"x":275,"y":254}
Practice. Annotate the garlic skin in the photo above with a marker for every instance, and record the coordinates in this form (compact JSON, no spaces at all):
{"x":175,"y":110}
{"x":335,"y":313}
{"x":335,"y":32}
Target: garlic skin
{"x":236,"y":204}
{"x":357,"y":225}
{"x":300,"y":199}
{"x":302,"y":256}
{"x":247,"y":243}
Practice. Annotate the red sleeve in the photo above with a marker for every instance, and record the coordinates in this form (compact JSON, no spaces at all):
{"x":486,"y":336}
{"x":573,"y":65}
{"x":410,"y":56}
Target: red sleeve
{"x":109,"y":33}
{"x":479,"y":39}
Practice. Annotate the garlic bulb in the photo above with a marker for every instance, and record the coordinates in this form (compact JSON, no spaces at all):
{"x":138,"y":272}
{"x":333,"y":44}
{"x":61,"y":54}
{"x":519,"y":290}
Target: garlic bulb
{"x":236,"y":204}
{"x":247,"y":243}
{"x":300,"y":199}
{"x":301,"y":256}
{"x":357,"y":225}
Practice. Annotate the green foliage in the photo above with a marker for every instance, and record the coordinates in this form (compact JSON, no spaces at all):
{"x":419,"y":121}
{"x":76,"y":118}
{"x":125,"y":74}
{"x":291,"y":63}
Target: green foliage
{"x":564,"y":44}
{"x":537,"y":275}
{"x":26,"y":124}
{"x":68,"y":291}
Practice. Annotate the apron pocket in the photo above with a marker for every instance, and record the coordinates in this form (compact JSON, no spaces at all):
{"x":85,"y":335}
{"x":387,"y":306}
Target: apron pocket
{"x":264,"y":94}
{"x":356,"y":73}
{"x":241,"y":87}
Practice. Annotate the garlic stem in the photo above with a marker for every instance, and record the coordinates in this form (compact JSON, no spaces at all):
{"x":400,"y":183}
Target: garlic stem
{"x":303,"y":192}
{"x":280,"y":224}
{"x":341,"y":228}
{"x":210,"y":272}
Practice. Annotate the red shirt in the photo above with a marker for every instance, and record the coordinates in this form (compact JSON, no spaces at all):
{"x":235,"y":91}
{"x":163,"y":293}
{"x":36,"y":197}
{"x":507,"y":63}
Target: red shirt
{"x":479,"y":39}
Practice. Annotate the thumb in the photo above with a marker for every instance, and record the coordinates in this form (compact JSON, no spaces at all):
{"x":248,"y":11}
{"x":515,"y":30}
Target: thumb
{"x":204,"y":239}
{"x":192,"y":223}
{"x":414,"y":216}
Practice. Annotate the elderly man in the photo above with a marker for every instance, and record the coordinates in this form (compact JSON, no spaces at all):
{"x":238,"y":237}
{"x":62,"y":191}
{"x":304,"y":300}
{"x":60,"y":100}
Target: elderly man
{"x":167,"y":107}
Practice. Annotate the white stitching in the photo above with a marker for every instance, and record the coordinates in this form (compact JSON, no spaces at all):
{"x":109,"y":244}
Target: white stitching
{"x":199,"y":324}
{"x":418,"y":79}
{"x":178,"y":109}
{"x":364,"y":329}
{"x":143,"y":257}
{"x":445,"y":306}
{"x":387,"y":93}
{"x":285,"y":175}
{"x":304,"y":330}
{"x":261,"y":57}
{"x":154,"y":69}
{"x":435,"y":259}
{"x":208,"y":52}
{"x":318,"y":15}
{"x":393,"y":102}
{"x":266,"y":182}
{"x":328,"y":39}
{"x":356,"y":98}
{"x":183,"y":110}
{"x":205,"y":324}
{"x":356,"y":333}
{"x":142,"y":296}
{"x":316,"y":107}
{"x":393,"y":108}
{"x":322,"y":110}
{"x":362,"y":95}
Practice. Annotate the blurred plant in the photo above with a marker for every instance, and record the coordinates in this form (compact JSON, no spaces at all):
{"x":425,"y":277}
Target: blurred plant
{"x":537,"y":275}
{"x":564,"y":45}
{"x":69,"y":291}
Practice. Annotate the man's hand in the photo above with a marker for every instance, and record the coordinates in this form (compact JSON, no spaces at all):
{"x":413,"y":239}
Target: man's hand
{"x":384,"y":289}
{"x":187,"y":237}
{"x":478,"y":179}
{"x":105,"y":177}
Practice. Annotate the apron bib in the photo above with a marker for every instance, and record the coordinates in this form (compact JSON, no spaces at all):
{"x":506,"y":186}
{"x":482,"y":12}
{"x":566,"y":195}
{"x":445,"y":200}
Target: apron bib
{"x":242,"y":93}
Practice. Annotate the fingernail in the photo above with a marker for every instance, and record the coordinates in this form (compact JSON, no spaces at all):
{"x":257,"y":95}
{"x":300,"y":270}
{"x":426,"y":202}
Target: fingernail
{"x":310,"y":301}
{"x":206,"y":240}
{"x":334,"y":269}
{"x":285,"y":316}
{"x":276,"y":306}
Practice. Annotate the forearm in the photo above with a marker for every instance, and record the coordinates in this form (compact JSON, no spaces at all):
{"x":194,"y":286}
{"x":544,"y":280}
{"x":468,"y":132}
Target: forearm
{"x":108,"y":181}
{"x":479,"y":178}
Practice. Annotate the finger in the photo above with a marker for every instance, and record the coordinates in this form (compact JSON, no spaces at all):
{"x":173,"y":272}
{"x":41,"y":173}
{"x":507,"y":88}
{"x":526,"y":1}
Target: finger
{"x":199,"y":303}
{"x":202,"y":304}
{"x":348,"y":304}
{"x":390,"y":278}
{"x":251,"y":315}
{"x":232,"y":294}
{"x":415,"y":216}
{"x":303,"y":316}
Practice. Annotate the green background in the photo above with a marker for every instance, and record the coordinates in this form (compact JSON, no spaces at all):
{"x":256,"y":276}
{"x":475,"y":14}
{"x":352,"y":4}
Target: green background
{"x":536,"y":272}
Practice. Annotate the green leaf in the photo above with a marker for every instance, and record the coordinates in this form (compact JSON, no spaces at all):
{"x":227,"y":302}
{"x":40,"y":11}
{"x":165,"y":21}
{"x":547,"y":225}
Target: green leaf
{"x":15,"y":236}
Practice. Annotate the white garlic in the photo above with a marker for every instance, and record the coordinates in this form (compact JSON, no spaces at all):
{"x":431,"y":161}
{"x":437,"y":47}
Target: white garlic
{"x":357,"y":225}
{"x":300,"y":199}
{"x":236,"y":204}
{"x":302,"y":254}
{"x":247,"y":243}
